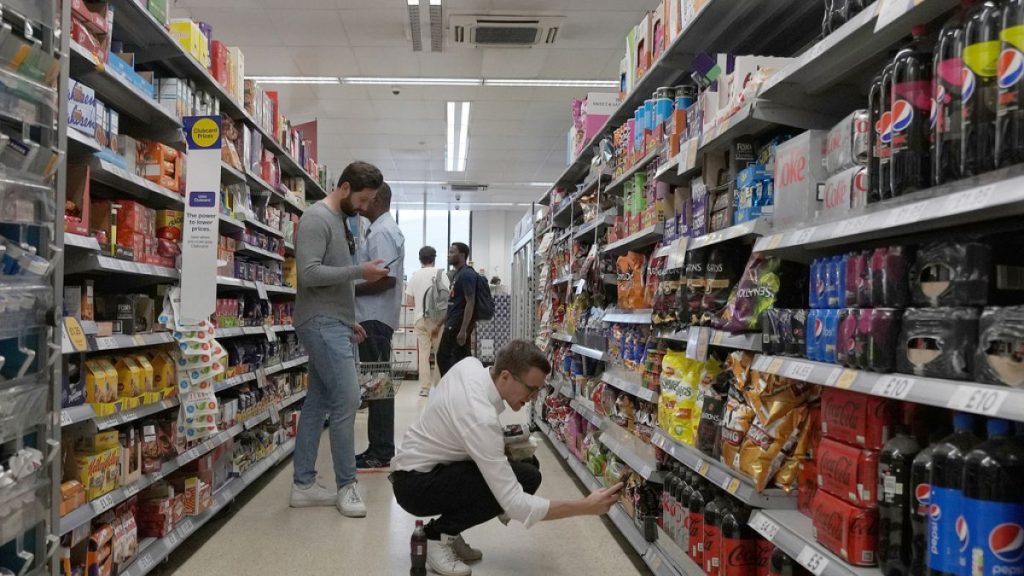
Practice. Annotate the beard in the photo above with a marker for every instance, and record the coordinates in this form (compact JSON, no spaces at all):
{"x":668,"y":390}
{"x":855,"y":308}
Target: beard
{"x":347,"y":207}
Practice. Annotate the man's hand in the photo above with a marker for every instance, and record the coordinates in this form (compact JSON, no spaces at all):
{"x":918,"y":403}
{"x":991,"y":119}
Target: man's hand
{"x":373,"y":271}
{"x":461,"y":338}
{"x":600,"y":501}
{"x":358,"y":333}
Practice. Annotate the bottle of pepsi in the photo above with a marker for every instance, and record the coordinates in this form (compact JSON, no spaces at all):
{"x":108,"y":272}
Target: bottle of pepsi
{"x":895,"y":462}
{"x":910,"y":168}
{"x":874,"y":139}
{"x":947,"y":115}
{"x":1010,"y":110}
{"x":945,"y":514}
{"x":994,"y":503}
{"x":885,"y":136}
{"x":921,"y":497}
{"x":979,"y":90}
{"x":739,"y":543}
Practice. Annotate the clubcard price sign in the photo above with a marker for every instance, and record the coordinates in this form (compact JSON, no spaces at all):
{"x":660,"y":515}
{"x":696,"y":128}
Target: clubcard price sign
{"x":202,"y":205}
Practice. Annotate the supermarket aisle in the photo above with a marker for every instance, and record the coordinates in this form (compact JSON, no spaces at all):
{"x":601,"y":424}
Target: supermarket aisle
{"x":264,"y":536}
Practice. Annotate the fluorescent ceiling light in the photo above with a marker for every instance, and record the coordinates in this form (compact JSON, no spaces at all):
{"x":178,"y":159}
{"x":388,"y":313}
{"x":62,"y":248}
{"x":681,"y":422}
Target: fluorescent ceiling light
{"x":464,"y":139}
{"x":417,"y":182}
{"x":295,"y":79}
{"x":411,"y":81}
{"x":534,"y":83}
{"x":449,"y":149}
{"x":457,"y":142}
{"x":414,"y":2}
{"x":435,"y":2}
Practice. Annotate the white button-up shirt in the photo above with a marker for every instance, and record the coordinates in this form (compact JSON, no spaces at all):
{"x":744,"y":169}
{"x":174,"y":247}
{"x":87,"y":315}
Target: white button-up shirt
{"x":460,"y":422}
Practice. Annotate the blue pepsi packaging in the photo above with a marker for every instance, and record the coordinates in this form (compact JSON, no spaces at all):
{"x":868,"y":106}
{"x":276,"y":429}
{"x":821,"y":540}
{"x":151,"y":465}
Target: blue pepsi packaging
{"x":994,"y":504}
{"x":819,"y":283}
{"x":814,"y":329}
{"x":827,"y":342}
{"x":947,"y":527}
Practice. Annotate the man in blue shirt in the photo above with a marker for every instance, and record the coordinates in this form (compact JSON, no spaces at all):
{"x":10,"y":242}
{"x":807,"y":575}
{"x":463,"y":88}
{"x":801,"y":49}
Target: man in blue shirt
{"x":378,"y":309}
{"x":459,"y":324}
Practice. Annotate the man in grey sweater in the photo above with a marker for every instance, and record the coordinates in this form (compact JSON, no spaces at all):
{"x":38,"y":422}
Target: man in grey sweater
{"x":325,"y":320}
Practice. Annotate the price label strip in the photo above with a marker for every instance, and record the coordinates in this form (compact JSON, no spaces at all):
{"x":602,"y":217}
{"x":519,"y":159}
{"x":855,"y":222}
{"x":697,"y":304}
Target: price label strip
{"x":65,"y":418}
{"x":978,"y":400}
{"x":813,"y":560}
{"x":893,"y":386}
{"x":799,"y":370}
{"x":765,"y":526}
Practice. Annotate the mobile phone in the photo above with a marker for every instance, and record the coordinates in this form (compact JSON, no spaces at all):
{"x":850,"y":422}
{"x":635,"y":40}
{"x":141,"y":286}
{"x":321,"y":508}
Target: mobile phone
{"x":388,"y":265}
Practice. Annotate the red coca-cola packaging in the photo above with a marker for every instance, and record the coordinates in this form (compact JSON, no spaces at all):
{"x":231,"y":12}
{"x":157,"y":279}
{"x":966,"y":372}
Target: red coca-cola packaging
{"x":764,"y":557}
{"x":857,"y":419}
{"x":846,"y":530}
{"x":807,"y":486}
{"x":848,"y":472}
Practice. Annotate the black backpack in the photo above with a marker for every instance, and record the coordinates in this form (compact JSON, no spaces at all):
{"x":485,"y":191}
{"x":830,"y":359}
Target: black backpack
{"x":484,"y":301}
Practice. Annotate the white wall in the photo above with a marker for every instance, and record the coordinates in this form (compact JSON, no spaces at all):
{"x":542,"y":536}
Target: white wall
{"x":492,"y":241}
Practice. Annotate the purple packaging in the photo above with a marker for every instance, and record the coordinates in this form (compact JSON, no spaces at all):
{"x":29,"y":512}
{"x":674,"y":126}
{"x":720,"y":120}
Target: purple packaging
{"x":699,"y":193}
{"x":846,"y":337}
{"x":856,"y":272}
{"x":880,"y":345}
{"x":862,"y":339}
{"x":814,"y":329}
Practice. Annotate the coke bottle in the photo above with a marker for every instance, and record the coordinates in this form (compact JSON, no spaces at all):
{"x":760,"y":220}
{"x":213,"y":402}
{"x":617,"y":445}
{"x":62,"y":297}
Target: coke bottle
{"x":686,"y":489}
{"x":668,"y":506}
{"x":418,"y":544}
{"x":739,"y":543}
{"x":764,"y":556}
{"x":1009,"y":114}
{"x":911,"y":106}
{"x":894,"y":498}
{"x":783,"y":565}
{"x":945,"y":513}
{"x":874,"y":142}
{"x":994,"y":503}
{"x":947,"y":115}
{"x":702,"y":493}
{"x":979,"y":91}
{"x":885,"y":136}
{"x":713,"y":512}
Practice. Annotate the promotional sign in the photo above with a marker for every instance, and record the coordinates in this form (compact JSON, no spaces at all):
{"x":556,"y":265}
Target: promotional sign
{"x":200,"y":228}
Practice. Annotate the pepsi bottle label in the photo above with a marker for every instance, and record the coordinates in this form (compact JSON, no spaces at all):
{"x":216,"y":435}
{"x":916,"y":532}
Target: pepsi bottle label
{"x":943,"y":512}
{"x":994,"y":537}
{"x":1011,"y":67}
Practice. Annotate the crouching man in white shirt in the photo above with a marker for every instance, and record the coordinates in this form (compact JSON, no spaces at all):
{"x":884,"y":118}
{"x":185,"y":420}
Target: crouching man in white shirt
{"x":452,"y":464}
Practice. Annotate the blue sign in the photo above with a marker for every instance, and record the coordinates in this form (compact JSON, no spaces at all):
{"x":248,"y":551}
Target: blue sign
{"x":202,"y":199}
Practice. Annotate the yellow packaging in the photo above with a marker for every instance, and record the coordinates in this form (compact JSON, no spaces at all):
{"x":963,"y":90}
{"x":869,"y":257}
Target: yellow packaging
{"x":148,"y":376}
{"x":99,"y":472}
{"x":674,"y":369}
{"x":190,"y":38}
{"x":163,"y":370}
{"x":129,"y":377}
{"x":290,"y":273}
{"x":97,"y":388}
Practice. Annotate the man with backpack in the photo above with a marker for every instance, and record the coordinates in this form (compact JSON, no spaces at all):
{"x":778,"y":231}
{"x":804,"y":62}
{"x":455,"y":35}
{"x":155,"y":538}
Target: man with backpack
{"x":469,"y":302}
{"x":427,"y":290}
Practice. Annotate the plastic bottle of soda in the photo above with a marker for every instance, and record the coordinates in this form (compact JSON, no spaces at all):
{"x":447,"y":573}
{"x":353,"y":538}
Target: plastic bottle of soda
{"x":702,"y":494}
{"x":713,"y":512}
{"x":921,"y":499}
{"x":418,"y":545}
{"x":885,"y":136}
{"x":681,"y":521}
{"x":894,"y":498}
{"x":994,"y":503}
{"x":668,"y":504}
{"x":946,"y":509}
{"x":947,"y":111}
{"x":739,"y":543}
{"x":1010,"y":109}
{"x":979,"y":90}
{"x":874,"y":137}
{"x":910,"y":168}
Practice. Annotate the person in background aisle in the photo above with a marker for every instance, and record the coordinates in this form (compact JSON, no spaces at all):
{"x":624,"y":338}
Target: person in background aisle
{"x":452,"y":463}
{"x":325,"y":321}
{"x":496,"y":286}
{"x":378,"y":309}
{"x":459,"y":323}
{"x":427,"y":286}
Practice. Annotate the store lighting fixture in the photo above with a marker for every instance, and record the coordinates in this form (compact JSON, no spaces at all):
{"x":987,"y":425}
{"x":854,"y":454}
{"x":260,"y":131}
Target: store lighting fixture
{"x":416,"y":182}
{"x":540,"y":83}
{"x":411,"y":81}
{"x":295,"y":79}
{"x":457,"y":149}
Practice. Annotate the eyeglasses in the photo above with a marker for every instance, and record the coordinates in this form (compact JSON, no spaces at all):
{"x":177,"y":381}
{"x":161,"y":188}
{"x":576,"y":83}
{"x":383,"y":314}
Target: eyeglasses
{"x":533,"y":391}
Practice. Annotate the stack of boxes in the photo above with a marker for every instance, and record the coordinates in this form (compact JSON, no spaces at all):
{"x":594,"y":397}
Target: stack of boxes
{"x":91,"y":27}
{"x":846,"y":158}
{"x":127,"y":229}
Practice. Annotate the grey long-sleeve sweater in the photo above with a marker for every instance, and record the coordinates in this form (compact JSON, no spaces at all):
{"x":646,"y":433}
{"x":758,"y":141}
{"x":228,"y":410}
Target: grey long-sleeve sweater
{"x":326,"y":272}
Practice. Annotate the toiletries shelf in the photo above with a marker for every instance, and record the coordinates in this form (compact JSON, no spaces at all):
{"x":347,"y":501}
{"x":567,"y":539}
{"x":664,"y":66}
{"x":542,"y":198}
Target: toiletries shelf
{"x":140,"y":113}
{"x":96,"y":264}
{"x":994,"y":195}
{"x":76,"y":414}
{"x":722,"y":476}
{"x":630,"y":383}
{"x":153,"y":551}
{"x":642,"y":239}
{"x":984,"y":399}
{"x":793,"y":532}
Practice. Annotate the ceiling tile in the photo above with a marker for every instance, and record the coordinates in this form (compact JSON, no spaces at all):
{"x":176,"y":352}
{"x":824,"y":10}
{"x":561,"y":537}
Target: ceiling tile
{"x":321,"y":28}
{"x":379,"y":27}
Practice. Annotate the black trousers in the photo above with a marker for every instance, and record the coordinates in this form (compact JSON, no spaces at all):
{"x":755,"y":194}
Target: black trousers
{"x":380,"y":427}
{"x":449,"y":353}
{"x":457,"y":493}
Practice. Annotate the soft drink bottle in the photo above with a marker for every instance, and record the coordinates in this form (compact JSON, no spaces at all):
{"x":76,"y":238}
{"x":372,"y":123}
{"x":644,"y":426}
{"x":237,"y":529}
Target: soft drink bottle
{"x":827,"y":342}
{"x":885,"y":136}
{"x":814,"y":329}
{"x":739,"y":543}
{"x":921,"y":499}
{"x":979,"y":90}
{"x":418,"y":543}
{"x":667,"y":504}
{"x":875,"y":102}
{"x":713,"y":512}
{"x":994,"y":503}
{"x":784,"y":565}
{"x":764,"y":556}
{"x":702,"y":493}
{"x":686,"y":489}
{"x":945,"y":514}
{"x":947,"y":116}
{"x":1009,"y":112}
{"x":910,"y":169}
{"x":894,"y":498}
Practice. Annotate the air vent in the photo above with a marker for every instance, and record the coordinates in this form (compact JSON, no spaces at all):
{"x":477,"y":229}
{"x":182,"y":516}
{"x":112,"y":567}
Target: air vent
{"x":465,"y":187}
{"x":504,"y":31}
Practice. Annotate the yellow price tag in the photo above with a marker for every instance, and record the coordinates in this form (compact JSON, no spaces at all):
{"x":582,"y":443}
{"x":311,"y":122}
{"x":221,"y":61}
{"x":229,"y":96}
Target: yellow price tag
{"x":733,"y":486}
{"x":702,"y":469}
{"x":76,"y":334}
{"x":846,"y":379}
{"x":775,"y":241}
{"x":775,"y":366}
{"x":139,"y":340}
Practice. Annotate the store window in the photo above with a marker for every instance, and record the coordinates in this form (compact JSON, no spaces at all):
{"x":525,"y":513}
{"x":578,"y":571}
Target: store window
{"x":437,"y":228}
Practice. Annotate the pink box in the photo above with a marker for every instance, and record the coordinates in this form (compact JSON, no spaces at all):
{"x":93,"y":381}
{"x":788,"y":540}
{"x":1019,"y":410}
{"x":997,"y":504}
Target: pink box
{"x":596,"y":109}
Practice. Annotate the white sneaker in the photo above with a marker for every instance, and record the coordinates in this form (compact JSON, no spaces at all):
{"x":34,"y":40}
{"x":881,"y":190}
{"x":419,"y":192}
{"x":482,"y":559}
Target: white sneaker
{"x":315,"y":494}
{"x":464,"y":551}
{"x":350,"y":501}
{"x":442,"y":559}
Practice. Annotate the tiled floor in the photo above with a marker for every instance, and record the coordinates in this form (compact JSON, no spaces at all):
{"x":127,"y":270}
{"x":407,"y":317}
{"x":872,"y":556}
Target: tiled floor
{"x":262,"y":535}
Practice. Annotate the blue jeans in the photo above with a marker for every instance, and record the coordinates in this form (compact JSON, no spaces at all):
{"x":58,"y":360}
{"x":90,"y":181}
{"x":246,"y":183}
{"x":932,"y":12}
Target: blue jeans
{"x":380,"y":426}
{"x":334,"y":392}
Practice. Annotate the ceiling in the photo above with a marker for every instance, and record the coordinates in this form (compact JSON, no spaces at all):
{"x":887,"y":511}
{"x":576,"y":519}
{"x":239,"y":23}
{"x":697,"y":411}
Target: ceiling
{"x":516,"y":135}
